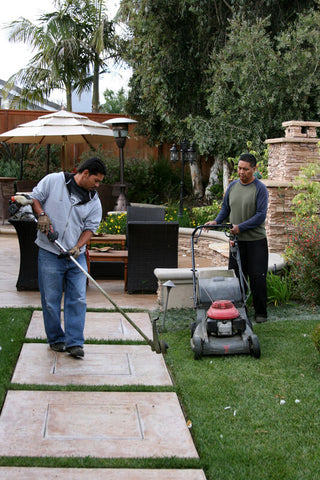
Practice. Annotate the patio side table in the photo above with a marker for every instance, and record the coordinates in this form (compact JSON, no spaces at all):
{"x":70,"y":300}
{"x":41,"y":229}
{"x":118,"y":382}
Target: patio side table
{"x":28,"y":273}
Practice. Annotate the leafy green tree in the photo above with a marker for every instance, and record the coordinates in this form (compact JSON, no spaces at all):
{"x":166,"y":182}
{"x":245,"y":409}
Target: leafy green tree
{"x":257,"y":82}
{"x":169,"y":48}
{"x":115,"y":102}
{"x":73,"y":44}
{"x":243,"y":100}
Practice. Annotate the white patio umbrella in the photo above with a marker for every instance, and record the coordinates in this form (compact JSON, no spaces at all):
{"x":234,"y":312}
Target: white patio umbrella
{"x":59,"y":128}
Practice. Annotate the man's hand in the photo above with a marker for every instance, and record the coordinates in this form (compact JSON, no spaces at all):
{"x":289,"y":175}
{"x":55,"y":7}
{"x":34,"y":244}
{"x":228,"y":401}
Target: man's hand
{"x":211,"y":222}
{"x":235,"y":230}
{"x":75,"y":252}
{"x":44,"y":223}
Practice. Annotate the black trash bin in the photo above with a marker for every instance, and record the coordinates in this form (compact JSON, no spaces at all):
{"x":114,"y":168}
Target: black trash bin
{"x":28,"y":275}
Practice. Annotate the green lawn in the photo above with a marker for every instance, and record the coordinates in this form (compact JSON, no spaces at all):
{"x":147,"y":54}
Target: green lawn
{"x":240,"y":428}
{"x":251,"y":419}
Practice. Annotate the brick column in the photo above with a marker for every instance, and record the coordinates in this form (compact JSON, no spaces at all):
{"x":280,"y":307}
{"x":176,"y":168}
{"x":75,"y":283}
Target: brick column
{"x":286,"y":158}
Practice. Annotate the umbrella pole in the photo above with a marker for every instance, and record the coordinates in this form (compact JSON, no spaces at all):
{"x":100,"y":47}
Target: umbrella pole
{"x":48,"y":157}
{"x":63,"y":156}
{"x":21,"y":162}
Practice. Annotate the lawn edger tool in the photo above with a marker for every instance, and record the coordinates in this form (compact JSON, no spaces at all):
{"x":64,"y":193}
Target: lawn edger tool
{"x":24,"y":203}
{"x":222,"y":326}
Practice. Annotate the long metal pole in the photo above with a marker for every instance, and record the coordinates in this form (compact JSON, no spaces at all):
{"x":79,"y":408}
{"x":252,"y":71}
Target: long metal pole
{"x":121,"y":203}
{"x":180,"y":214}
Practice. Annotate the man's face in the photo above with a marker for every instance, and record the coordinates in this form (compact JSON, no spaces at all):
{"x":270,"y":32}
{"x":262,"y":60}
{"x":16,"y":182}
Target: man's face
{"x":91,"y":182}
{"x":245,"y":172}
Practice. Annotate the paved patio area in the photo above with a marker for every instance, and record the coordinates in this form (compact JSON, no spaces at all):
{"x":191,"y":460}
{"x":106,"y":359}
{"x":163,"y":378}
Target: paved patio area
{"x":10,"y":297}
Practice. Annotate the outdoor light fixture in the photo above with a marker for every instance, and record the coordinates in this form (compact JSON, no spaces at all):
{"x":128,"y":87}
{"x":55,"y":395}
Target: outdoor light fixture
{"x":187,"y":154}
{"x":120,"y":127}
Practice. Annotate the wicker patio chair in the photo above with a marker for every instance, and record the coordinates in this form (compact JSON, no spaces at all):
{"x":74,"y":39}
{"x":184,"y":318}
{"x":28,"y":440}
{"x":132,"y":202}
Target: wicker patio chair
{"x":151,"y":245}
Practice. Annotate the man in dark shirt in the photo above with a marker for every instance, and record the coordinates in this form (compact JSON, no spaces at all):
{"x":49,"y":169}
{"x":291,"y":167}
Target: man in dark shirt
{"x":246,"y":203}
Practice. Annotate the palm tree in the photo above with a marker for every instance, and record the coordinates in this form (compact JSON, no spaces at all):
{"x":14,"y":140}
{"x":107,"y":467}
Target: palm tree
{"x":102,"y":44}
{"x":73,"y":44}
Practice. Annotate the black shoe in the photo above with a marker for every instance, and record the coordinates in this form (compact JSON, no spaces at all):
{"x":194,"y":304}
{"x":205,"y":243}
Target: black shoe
{"x":58,"y":347}
{"x":75,"y":351}
{"x":261,"y":318}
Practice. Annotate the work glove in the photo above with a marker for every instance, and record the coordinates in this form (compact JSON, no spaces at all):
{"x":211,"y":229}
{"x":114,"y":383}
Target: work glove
{"x":22,"y":200}
{"x":44,"y":223}
{"x":74,"y":252}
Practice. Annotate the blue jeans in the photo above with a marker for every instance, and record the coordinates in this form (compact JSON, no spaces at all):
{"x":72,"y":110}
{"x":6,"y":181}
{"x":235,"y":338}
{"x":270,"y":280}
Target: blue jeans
{"x":56,"y":275}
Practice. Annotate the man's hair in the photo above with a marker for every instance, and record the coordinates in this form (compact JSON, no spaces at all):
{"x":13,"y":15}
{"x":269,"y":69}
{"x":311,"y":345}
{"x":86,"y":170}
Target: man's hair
{"x":248,"y":157}
{"x":94,"y":165}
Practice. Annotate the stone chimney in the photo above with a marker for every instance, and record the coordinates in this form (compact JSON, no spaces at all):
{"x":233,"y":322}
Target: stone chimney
{"x":287,"y":156}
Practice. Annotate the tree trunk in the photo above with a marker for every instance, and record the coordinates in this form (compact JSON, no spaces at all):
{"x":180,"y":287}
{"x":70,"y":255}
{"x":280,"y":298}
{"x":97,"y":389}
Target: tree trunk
{"x":213,"y":177}
{"x":196,"y":180}
{"x":69,"y":98}
{"x":95,"y":89}
{"x":226,"y":175}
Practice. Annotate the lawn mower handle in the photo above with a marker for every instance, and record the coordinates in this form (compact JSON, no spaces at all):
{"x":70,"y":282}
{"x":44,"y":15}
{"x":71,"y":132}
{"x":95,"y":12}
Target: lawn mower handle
{"x":194,"y":238}
{"x":199,"y":228}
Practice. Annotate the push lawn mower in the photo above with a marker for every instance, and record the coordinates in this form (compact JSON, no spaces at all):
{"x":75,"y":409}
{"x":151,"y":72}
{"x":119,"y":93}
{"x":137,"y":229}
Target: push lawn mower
{"x":222,"y":326}
{"x":24,"y":202}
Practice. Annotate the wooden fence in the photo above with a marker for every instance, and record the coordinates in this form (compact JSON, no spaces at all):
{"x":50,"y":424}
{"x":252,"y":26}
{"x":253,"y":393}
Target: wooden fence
{"x":136,"y":146}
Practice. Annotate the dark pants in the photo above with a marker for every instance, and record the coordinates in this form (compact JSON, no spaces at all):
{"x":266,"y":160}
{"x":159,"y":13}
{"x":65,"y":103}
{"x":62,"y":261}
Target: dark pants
{"x":254,"y":263}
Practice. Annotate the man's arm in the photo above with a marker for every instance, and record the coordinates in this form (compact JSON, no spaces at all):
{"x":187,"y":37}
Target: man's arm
{"x":36,"y":206}
{"x":84,"y":238}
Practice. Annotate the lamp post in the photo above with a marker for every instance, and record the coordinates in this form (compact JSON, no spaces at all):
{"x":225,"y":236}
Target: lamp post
{"x":120,"y":127}
{"x":187,"y":154}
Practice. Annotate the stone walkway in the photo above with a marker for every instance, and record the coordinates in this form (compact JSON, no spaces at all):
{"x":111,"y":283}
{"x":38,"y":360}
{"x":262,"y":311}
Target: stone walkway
{"x":94,"y":423}
{"x":101,"y":424}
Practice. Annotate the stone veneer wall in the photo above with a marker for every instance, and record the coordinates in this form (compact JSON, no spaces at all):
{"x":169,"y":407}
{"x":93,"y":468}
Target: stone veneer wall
{"x":286,"y":157}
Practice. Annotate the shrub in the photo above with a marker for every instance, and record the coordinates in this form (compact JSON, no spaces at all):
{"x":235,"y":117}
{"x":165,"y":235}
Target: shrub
{"x":303,"y":256}
{"x":35,"y":165}
{"x":279,"y":288}
{"x":153,"y":181}
{"x":114,"y":224}
{"x":33,"y":158}
{"x":172,"y":215}
{"x":149,"y":181}
{"x":201,"y":215}
{"x":316,"y":337}
{"x":11,"y":156}
{"x":307,"y":201}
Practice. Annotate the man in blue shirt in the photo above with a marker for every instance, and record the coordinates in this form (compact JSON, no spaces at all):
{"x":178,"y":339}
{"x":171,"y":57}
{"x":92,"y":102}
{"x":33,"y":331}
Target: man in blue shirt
{"x":246,"y":204}
{"x":70,"y":205}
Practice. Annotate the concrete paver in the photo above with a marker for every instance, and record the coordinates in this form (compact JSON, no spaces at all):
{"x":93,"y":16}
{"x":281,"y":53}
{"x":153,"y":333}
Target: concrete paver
{"x":102,"y":365}
{"x":97,"y":424}
{"x":100,"y":326}
{"x":14,"y":473}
